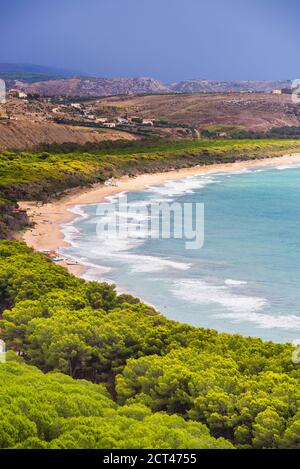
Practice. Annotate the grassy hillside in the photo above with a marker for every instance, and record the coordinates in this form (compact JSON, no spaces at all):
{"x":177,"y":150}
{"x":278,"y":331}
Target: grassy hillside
{"x":42,"y":175}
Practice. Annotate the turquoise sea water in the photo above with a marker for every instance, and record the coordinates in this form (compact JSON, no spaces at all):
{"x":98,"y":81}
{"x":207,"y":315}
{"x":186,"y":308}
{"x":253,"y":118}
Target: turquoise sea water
{"x":245,"y":279}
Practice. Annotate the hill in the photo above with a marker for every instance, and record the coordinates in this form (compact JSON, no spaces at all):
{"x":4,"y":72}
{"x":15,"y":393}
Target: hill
{"x":92,"y":86}
{"x":25,"y":124}
{"x":97,"y":86}
{"x":27,"y":134}
{"x":215,"y":86}
{"x":251,"y":111}
{"x":51,"y":81}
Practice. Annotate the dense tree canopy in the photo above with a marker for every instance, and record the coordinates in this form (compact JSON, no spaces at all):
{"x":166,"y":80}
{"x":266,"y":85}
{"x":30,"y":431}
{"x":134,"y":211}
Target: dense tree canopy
{"x":136,"y":379}
{"x":54,"y":411}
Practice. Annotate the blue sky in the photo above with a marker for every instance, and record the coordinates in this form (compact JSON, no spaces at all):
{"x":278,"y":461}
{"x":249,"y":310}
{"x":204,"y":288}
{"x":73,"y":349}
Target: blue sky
{"x":167,"y":39}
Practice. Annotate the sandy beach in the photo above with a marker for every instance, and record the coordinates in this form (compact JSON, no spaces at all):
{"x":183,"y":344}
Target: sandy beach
{"x":46,"y":233}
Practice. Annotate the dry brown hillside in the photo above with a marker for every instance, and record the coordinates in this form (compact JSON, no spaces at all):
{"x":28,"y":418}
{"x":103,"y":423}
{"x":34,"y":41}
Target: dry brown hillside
{"x":24,"y":134}
{"x":252,"y":111}
{"x":25,"y":124}
{"x":29,"y":122}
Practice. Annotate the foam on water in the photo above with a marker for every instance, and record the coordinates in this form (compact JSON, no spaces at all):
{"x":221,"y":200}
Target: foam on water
{"x":119,"y":251}
{"x":201,"y":292}
{"x":140,"y":263}
{"x":78,"y":210}
{"x":240,"y":308}
{"x":288,"y":166}
{"x":70,"y":232}
{"x":240,"y":281}
{"x":181,"y":186}
{"x":288,"y":322}
{"x":232,"y":282}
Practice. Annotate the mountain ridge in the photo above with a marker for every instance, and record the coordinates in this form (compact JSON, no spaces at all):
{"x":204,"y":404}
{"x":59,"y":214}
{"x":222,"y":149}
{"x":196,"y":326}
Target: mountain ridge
{"x":50,"y":81}
{"x":93,"y":86}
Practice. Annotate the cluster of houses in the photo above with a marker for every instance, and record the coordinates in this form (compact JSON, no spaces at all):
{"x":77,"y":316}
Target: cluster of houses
{"x":87,"y":113}
{"x":282,"y":91}
{"x":124,"y":121}
{"x":113,"y":122}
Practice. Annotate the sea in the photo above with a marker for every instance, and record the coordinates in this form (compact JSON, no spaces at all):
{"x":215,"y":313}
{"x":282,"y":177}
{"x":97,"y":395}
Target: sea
{"x":244,"y":278}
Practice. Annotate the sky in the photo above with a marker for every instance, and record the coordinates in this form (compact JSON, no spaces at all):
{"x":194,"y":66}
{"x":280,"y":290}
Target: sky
{"x":170,"y":40}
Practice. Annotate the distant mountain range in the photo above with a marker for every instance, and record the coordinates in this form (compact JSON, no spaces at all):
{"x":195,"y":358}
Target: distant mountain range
{"x":195,"y":86}
{"x":30,"y":73}
{"x":97,"y":86}
{"x":50,"y":81}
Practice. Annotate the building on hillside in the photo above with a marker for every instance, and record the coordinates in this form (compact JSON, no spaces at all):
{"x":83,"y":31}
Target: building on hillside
{"x":148,"y":121}
{"x":110,"y":125}
{"x":13,"y":93}
{"x":101,"y":120}
{"x":276,"y":92}
{"x":21,"y":94}
{"x":134,"y":119}
{"x":122,"y":120}
{"x":76,"y":105}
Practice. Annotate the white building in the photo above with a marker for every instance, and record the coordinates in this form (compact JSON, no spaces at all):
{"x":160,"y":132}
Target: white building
{"x":22,"y":95}
{"x":101,"y":120}
{"x":147,"y":121}
{"x":122,"y":120}
{"x":110,"y":125}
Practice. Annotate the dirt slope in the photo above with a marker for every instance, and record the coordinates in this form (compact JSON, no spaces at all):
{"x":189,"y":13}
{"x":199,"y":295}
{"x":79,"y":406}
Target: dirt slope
{"x":24,"y":134}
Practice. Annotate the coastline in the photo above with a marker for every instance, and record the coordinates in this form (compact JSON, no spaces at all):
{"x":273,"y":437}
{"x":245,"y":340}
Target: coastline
{"x":46,"y":234}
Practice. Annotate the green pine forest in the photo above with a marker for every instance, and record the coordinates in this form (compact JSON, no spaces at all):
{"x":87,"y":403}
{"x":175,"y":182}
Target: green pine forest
{"x":88,"y":368}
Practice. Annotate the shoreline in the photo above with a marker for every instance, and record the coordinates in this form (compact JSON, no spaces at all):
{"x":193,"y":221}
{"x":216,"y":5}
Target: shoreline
{"x":46,"y":234}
